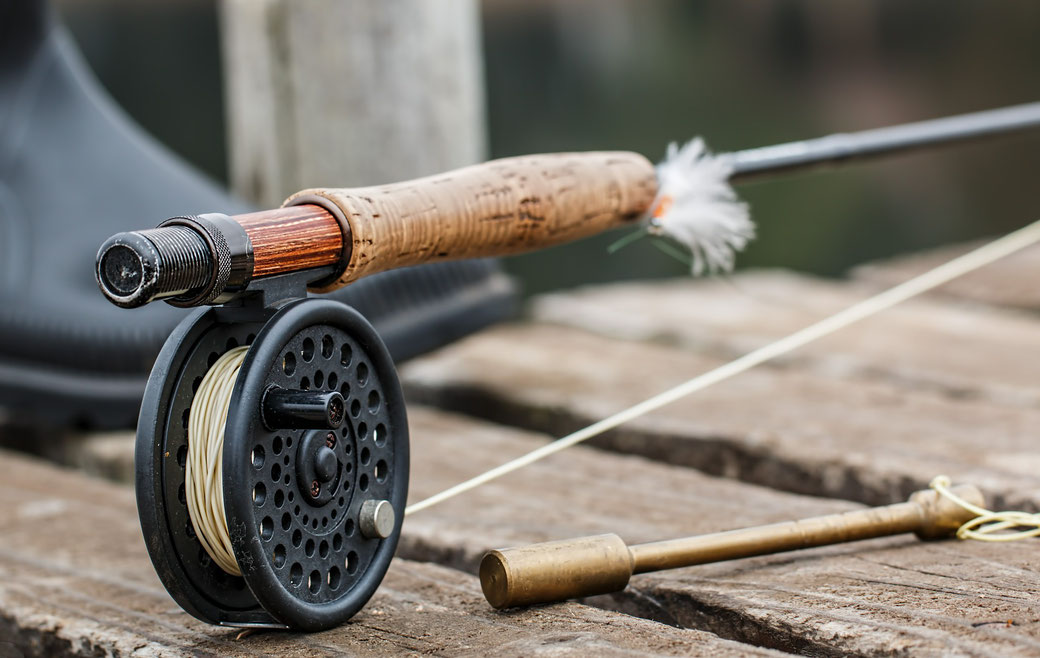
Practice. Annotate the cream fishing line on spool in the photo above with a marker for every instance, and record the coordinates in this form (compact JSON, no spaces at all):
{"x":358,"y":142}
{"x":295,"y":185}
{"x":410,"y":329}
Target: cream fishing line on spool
{"x":205,"y":491}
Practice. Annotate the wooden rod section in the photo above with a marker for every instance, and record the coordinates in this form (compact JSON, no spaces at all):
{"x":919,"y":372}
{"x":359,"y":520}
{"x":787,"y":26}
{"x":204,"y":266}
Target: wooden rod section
{"x":291,"y":239}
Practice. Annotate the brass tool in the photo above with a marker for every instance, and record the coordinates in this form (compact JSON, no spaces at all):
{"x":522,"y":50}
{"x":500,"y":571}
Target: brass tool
{"x":575,"y":568}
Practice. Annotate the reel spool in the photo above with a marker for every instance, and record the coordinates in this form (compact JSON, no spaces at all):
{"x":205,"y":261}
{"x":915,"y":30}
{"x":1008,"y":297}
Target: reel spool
{"x":308,"y":504}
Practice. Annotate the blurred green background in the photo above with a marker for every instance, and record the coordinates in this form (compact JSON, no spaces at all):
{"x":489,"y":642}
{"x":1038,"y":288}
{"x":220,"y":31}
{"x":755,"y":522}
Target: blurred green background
{"x":621,"y":74}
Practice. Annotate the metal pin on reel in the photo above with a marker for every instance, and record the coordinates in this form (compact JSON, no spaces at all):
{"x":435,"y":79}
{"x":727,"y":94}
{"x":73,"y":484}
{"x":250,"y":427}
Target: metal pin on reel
{"x":313,"y":509}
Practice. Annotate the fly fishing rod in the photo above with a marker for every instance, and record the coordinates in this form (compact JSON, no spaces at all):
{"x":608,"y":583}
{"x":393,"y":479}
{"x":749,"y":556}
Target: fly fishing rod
{"x":844,"y":148}
{"x":501,"y":207}
{"x":272,"y":451}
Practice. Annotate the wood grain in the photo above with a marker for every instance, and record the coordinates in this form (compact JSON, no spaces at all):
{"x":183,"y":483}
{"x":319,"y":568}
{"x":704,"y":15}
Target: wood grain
{"x":868,"y":415}
{"x":808,"y":432}
{"x":1008,"y":282}
{"x":74,"y":577}
{"x":496,"y":208}
{"x":924,"y":344}
{"x":75,"y":580}
{"x":292,"y":239}
{"x":882,"y":597}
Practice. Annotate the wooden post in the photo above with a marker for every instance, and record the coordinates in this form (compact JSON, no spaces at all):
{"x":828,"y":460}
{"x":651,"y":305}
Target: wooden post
{"x":349,"y":92}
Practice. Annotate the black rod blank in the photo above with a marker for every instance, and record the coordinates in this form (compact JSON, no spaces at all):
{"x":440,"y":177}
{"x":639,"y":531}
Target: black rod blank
{"x":840,"y":148}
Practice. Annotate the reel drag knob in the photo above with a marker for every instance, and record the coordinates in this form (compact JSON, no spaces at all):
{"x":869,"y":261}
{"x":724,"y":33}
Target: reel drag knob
{"x":314,"y":466}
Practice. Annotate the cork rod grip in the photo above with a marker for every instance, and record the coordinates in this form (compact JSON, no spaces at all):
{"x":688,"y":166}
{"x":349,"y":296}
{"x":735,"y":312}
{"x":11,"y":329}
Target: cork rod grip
{"x":493,"y":209}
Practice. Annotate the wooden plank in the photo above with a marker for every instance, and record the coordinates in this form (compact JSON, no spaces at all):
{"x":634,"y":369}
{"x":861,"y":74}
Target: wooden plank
{"x":578,"y":492}
{"x":961,"y":350}
{"x":104,"y":454}
{"x":881,"y":597}
{"x":803,"y":432}
{"x":75,"y":579}
{"x":1008,"y":282}
{"x":340,"y":93}
{"x":889,"y":598}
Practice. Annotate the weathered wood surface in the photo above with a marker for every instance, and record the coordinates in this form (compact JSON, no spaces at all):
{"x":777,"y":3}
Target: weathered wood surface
{"x":1011,"y":281}
{"x":881,"y":597}
{"x":923,"y":344}
{"x":804,"y":432}
{"x":75,"y":576}
{"x":75,"y":579}
{"x":108,"y":455}
{"x":578,"y":492}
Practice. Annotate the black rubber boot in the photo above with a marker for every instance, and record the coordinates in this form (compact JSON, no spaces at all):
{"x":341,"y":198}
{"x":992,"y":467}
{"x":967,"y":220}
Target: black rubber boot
{"x":74,"y":169}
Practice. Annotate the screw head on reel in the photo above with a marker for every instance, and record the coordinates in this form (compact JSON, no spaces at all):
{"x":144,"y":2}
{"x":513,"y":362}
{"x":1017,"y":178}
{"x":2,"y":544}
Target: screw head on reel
{"x":316,"y":438}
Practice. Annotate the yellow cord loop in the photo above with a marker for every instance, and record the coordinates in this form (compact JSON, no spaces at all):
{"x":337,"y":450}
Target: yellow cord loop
{"x":203,"y":483}
{"x":989,"y":525}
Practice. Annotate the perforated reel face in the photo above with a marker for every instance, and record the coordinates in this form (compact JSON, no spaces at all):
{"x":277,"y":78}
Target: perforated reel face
{"x":294,"y":498}
{"x":304,"y":559}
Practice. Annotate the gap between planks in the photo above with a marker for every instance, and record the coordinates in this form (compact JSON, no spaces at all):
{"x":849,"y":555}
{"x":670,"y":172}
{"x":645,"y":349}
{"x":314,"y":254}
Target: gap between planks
{"x":869,"y":415}
{"x":872,"y":598}
{"x":770,"y":439}
{"x":956,"y":349}
{"x":791,"y":431}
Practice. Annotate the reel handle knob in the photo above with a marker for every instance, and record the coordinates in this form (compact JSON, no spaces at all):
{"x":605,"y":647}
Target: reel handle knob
{"x":309,"y":410}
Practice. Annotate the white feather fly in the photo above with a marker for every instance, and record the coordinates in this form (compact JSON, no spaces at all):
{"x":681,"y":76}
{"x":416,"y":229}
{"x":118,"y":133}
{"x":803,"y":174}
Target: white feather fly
{"x":697,"y":207}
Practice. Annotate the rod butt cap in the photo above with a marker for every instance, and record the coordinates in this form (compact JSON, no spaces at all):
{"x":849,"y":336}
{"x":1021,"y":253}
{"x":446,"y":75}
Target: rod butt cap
{"x":555,"y":571}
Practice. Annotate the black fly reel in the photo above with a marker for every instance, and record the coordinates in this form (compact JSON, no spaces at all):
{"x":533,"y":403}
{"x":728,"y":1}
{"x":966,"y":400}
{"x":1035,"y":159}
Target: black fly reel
{"x":308,"y":504}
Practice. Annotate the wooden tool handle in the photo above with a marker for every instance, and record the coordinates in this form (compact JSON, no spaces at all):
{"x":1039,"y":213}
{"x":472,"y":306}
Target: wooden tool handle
{"x":496,"y":208}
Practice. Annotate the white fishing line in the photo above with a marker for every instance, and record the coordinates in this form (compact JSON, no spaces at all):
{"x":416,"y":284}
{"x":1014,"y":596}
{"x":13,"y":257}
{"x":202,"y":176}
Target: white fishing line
{"x":922,"y":283}
{"x":203,"y":483}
